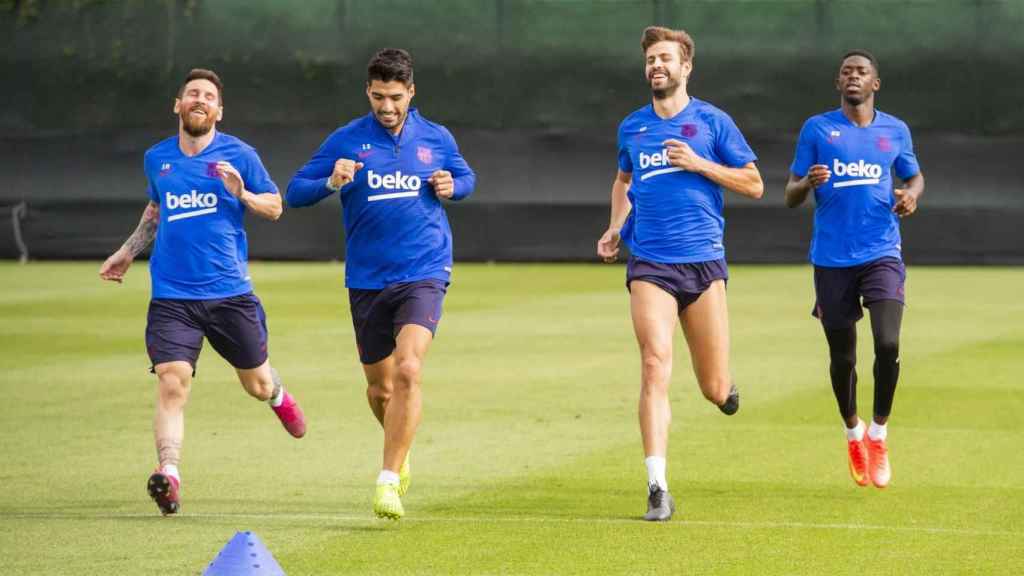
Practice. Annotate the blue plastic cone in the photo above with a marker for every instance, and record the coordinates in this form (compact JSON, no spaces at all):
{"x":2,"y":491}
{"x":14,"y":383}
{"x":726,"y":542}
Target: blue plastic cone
{"x":244,"y":555}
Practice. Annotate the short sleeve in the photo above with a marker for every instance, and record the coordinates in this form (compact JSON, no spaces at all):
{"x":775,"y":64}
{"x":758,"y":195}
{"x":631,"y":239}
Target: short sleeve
{"x":254,"y":174}
{"x":625,"y":161}
{"x":805,"y":156}
{"x":906,"y":162}
{"x":730,"y":145}
{"x":151,"y":190}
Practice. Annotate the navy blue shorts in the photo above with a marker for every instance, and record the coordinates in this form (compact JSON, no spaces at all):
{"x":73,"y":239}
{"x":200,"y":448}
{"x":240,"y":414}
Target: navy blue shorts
{"x":839,"y":291}
{"x":685,"y":282}
{"x":236,"y":328}
{"x":378,"y":315}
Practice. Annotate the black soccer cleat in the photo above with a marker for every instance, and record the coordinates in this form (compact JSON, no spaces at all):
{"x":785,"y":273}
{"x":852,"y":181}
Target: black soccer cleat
{"x":732,"y":403}
{"x":660,"y":505}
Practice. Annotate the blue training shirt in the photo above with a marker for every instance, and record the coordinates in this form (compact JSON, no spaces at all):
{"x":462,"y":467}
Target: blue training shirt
{"x":396,"y":229}
{"x":201,"y":251}
{"x":676,"y":215}
{"x":853,"y":218}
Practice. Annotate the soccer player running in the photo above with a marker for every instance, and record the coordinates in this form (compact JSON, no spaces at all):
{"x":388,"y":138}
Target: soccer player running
{"x":684,"y":151}
{"x":847,"y":156}
{"x":202,"y":182}
{"x":391,"y":168}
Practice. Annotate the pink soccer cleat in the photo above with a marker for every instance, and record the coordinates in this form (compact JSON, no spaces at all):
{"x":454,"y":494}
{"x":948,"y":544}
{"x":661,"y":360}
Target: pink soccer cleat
{"x":163,"y":489}
{"x":291,"y":416}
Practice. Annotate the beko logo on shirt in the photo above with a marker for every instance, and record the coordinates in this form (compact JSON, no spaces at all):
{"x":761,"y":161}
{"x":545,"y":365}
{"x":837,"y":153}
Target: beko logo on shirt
{"x":863,"y":174}
{"x":204,"y":203}
{"x":655,"y":160}
{"x":396,"y":181}
{"x":192,"y":199}
{"x":858,"y":168}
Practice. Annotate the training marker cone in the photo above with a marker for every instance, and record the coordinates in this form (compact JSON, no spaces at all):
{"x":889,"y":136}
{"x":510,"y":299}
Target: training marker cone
{"x":244,"y":555}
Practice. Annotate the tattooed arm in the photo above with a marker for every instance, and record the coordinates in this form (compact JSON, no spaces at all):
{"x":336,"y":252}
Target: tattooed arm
{"x":118,"y":263}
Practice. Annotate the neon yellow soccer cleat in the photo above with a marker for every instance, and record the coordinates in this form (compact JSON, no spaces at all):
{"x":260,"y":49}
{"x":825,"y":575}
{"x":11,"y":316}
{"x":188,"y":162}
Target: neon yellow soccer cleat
{"x":387,"y":503}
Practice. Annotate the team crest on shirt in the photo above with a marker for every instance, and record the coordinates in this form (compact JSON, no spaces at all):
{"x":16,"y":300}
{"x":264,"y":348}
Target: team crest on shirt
{"x":165,"y":169}
{"x":833,"y":136}
{"x":425,"y":155}
{"x":364,"y":151}
{"x":884,"y":144}
{"x":689,"y":130}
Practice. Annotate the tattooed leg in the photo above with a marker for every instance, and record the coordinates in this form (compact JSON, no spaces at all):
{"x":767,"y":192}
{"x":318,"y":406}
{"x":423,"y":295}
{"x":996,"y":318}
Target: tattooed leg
{"x":168,"y":451}
{"x":169,"y":422}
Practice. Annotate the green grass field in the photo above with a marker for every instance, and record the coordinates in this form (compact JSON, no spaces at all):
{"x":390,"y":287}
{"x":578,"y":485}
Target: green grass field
{"x":528,"y":460}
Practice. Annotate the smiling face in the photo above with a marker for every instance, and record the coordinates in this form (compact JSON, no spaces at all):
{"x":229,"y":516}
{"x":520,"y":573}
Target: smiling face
{"x":390,"y":102}
{"x":857,"y":80}
{"x":198,"y":107}
{"x":665,"y":68}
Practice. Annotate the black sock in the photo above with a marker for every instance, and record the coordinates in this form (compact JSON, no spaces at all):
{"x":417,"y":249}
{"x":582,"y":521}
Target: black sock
{"x":842,"y":350}
{"x":886,"y":318}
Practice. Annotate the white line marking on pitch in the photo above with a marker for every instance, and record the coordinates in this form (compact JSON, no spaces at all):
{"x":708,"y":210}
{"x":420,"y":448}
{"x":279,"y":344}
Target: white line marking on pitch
{"x":515,"y":520}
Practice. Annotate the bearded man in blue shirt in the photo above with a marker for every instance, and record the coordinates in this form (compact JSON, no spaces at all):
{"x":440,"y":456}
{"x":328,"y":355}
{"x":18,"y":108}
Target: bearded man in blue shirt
{"x":675,"y":156}
{"x":392,"y":169}
{"x":201,"y":184}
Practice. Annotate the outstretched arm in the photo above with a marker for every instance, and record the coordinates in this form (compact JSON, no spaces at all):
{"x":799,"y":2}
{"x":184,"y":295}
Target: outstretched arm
{"x":608,"y":244}
{"x":117,"y":264}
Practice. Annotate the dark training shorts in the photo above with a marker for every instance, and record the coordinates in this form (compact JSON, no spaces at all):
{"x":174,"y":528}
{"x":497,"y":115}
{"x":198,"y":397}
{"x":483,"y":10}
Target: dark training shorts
{"x":378,"y":315}
{"x":686,"y":282}
{"x":236,"y":328}
{"x":839,"y":290}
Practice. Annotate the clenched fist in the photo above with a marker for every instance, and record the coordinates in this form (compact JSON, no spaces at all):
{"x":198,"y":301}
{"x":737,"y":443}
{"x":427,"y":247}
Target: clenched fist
{"x":443,"y":183}
{"x":344,"y":172}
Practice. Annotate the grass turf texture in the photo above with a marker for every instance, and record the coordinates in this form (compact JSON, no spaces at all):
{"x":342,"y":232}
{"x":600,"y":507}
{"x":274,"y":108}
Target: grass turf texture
{"x":528,"y":460}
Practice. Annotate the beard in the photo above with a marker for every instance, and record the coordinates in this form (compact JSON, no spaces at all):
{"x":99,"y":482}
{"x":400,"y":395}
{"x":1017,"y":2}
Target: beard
{"x":196,"y":127}
{"x":668,"y":90}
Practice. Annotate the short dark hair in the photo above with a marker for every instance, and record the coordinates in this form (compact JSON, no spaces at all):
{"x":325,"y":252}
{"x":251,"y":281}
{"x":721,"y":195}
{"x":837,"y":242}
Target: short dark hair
{"x":654,"y":34}
{"x":864,"y":53}
{"x":203,"y":74}
{"x":390,"y":64}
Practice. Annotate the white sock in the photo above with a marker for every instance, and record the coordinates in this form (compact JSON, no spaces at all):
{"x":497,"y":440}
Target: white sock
{"x":387,"y":477}
{"x":656,"y":471}
{"x":877,"y":431}
{"x":171,"y":470}
{"x":857,"y":432}
{"x":276,"y":401}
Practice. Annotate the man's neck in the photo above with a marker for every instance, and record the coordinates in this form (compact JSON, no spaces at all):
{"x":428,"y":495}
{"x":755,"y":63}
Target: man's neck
{"x":191,"y":145}
{"x":862,"y":114}
{"x":666,"y":108}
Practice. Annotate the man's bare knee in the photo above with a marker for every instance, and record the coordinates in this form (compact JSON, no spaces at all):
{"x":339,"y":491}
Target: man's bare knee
{"x":655,"y":371}
{"x":260,"y":387}
{"x":408,"y":372}
{"x":173,"y":387}
{"x":378,"y":392}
